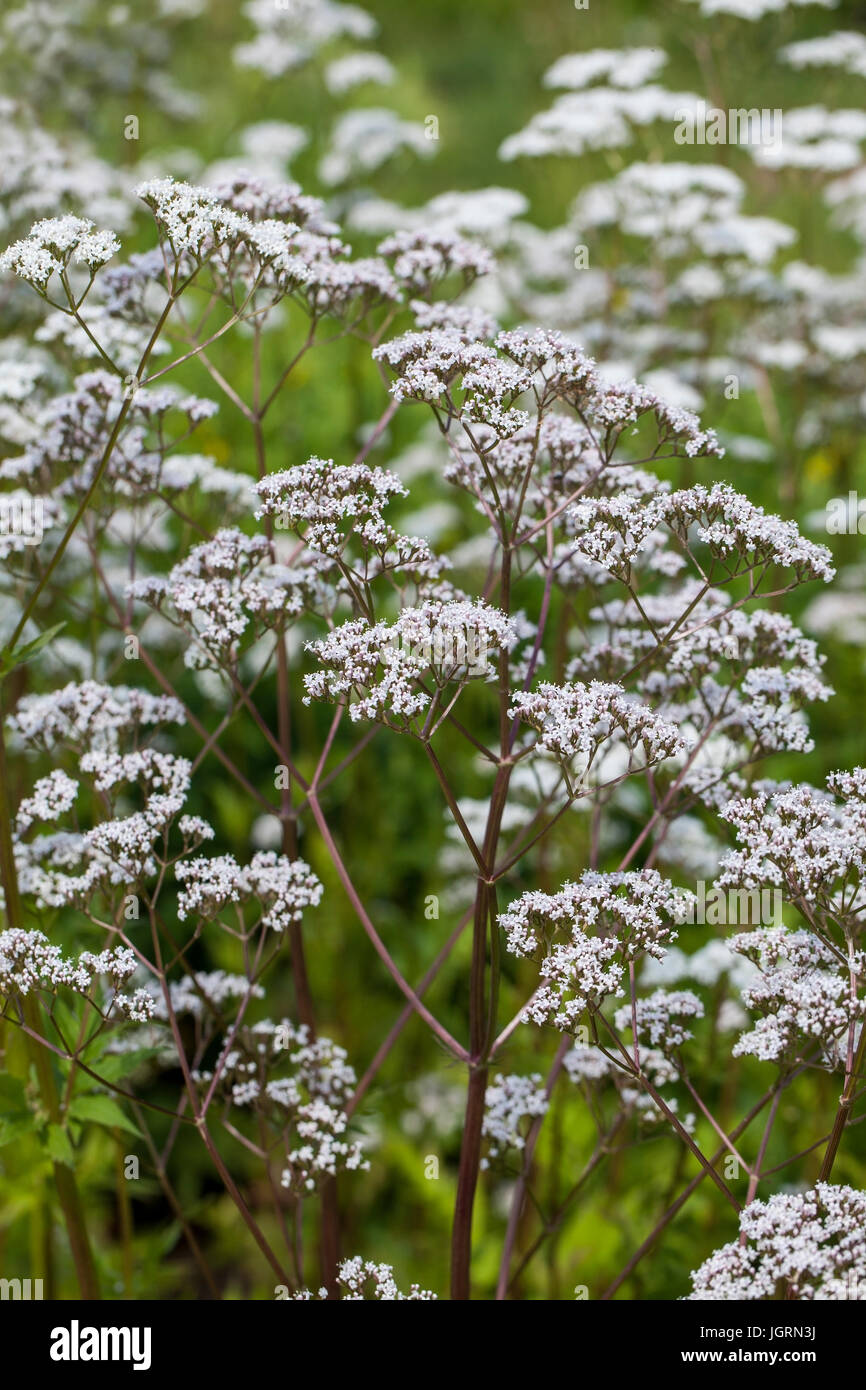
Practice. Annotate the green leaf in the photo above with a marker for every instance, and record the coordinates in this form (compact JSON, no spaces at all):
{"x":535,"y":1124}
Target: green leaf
{"x":67,"y":1016}
{"x":10,"y":659}
{"x":115,"y":1066}
{"x":12,"y":1129}
{"x":58,"y":1146}
{"x":101,"y":1110}
{"x":13,"y":1096}
{"x":16,"y":1117}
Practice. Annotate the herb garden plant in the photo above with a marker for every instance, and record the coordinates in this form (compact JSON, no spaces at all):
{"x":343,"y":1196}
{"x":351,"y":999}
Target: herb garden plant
{"x":222,"y":676}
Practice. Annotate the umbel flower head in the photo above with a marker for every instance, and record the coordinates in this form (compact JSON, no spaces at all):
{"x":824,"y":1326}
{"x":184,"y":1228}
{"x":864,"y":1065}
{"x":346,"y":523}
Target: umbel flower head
{"x":658,"y":1017}
{"x":609,"y":920}
{"x":806,"y":1245}
{"x":613,"y":531}
{"x":574,"y":721}
{"x":223,"y":588}
{"x":30,"y":962}
{"x":337,"y":508}
{"x":803,"y":993}
{"x":510,"y":1100}
{"x":55,"y":243}
{"x":385,"y":665}
{"x":362,"y":1280}
{"x":283,"y":887}
{"x":307,"y":1104}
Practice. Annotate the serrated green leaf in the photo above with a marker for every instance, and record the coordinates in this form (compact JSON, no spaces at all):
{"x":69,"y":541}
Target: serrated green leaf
{"x":101,"y":1110}
{"x":58,"y":1146}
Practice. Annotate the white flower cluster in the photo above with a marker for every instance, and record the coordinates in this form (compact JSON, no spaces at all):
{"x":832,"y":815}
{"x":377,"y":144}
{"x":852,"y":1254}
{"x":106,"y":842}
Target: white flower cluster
{"x":332,"y":505}
{"x":575,"y":977}
{"x":52,"y":797}
{"x":362,"y":1280}
{"x":595,"y":118}
{"x":366,"y":138}
{"x":658,"y":1017}
{"x":357,"y":69}
{"x":729,"y":523}
{"x":709,"y":965}
{"x":203,"y":992}
{"x":649,"y":1112}
{"x":424,"y":257}
{"x":324,"y":502}
{"x":768,"y":708}
{"x":623,"y":67}
{"x":155,"y":772}
{"x":539,"y":467}
{"x":802,"y":992}
{"x":283,"y":887}
{"x":24,"y":520}
{"x":196,"y":222}
{"x":661,"y":200}
{"x":53,"y":244}
{"x":586,"y":1064}
{"x":122,"y":849}
{"x":383,"y":664}
{"x":449,"y":368}
{"x":508,"y":1102}
{"x":330,"y":283}
{"x":804,"y":1245}
{"x":638,"y":907}
{"x":162,"y":473}
{"x":307,"y":1104}
{"x":480,"y":383}
{"x":754,"y":9}
{"x":221,"y":587}
{"x":66,"y":440}
{"x":28,"y":961}
{"x":618,"y":406}
{"x":114,"y":852}
{"x":355,"y":1276}
{"x":814,"y":138}
{"x":574,"y":721}
{"x":631,"y":915}
{"x":844,"y":49}
{"x":801,"y":840}
{"x":614,"y":530}
{"x":757,"y":699}
{"x":287,"y":36}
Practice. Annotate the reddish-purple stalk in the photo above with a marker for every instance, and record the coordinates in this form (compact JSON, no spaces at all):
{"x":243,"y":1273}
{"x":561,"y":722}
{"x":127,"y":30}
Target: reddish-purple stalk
{"x":482,"y":1021}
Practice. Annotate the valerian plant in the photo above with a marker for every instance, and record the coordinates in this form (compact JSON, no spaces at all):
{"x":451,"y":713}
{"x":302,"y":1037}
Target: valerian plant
{"x":612,"y":655}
